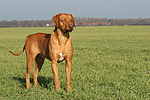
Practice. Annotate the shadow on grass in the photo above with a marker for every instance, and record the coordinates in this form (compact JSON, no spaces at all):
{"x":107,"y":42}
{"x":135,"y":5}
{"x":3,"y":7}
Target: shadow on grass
{"x":42,"y":81}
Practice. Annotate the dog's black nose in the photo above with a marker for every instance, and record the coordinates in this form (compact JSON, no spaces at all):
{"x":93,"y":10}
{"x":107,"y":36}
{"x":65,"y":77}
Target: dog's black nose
{"x":71,"y":25}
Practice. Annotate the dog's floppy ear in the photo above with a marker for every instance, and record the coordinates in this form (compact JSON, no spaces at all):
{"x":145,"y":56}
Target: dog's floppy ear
{"x":73,"y":20}
{"x":56,"y":20}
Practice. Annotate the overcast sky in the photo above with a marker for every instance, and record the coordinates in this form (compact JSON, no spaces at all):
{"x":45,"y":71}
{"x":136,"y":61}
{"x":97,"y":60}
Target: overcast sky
{"x":45,"y":9}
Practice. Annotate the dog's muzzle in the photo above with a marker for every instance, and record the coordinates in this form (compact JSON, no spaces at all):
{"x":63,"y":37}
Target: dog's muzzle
{"x":71,"y":27}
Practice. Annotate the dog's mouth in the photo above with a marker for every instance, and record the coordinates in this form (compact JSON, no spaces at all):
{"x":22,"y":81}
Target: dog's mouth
{"x":66,"y":30}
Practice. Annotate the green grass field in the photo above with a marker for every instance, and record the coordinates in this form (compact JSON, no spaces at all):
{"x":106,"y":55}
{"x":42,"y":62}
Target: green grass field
{"x":109,"y":63}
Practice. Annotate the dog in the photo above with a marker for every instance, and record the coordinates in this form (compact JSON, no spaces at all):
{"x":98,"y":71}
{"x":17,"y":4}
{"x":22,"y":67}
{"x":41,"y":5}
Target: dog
{"x":56,"y":47}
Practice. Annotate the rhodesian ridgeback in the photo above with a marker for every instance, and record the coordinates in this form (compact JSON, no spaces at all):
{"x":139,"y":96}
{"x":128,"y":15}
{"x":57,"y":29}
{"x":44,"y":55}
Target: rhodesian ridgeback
{"x":56,"y":47}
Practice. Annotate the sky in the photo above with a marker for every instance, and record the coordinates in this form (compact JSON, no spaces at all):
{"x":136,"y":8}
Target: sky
{"x":46,"y":9}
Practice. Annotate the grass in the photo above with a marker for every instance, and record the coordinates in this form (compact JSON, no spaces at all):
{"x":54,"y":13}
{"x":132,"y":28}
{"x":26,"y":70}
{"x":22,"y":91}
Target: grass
{"x":109,"y":63}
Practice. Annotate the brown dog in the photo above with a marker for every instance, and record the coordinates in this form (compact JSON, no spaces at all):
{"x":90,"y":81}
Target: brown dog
{"x":56,"y":47}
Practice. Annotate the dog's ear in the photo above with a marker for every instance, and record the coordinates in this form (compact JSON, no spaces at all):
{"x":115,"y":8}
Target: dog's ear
{"x":73,"y":20}
{"x":56,"y":20}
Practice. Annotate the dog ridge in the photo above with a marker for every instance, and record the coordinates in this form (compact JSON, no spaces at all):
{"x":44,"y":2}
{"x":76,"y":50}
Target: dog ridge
{"x":56,"y":47}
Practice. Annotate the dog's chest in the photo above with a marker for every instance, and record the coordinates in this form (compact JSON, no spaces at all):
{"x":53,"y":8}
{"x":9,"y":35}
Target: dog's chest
{"x":62,"y":56}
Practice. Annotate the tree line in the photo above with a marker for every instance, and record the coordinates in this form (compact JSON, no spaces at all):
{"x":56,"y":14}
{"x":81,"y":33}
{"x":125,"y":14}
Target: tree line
{"x":25,"y":23}
{"x":114,"y":22}
{"x":80,"y":21}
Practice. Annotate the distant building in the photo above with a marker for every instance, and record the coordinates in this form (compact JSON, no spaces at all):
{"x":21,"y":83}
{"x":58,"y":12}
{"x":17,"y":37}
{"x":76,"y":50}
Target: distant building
{"x":52,"y":25}
{"x":88,"y":24}
{"x":110,"y":23}
{"x":47,"y":25}
{"x":104,"y":24}
{"x":77,"y":24}
{"x":95,"y":23}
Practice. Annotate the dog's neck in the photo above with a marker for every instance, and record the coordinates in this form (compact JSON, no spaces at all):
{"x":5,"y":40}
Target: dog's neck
{"x":62,"y":36}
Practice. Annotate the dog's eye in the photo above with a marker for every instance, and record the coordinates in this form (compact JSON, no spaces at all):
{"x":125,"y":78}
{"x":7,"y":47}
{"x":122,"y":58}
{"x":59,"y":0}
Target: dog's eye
{"x":72,"y":20}
{"x":63,"y":20}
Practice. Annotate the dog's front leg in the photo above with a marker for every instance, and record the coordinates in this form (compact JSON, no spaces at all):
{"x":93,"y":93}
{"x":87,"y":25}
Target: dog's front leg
{"x":54,"y":65}
{"x":68,"y":74}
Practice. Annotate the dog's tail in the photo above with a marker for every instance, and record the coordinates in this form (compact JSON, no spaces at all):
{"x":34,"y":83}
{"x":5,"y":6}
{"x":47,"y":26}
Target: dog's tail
{"x":17,"y":54}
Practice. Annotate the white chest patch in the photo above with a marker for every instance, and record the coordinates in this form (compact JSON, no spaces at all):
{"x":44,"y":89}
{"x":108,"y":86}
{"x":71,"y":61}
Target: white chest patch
{"x":61,"y":57}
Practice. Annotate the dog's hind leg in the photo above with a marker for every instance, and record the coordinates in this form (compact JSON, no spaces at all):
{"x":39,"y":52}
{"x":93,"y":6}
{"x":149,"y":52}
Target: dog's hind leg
{"x":30,"y":63}
{"x":38,"y":65}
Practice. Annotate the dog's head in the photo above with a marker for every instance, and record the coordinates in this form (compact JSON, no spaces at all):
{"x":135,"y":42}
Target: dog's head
{"x":65,"y":22}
